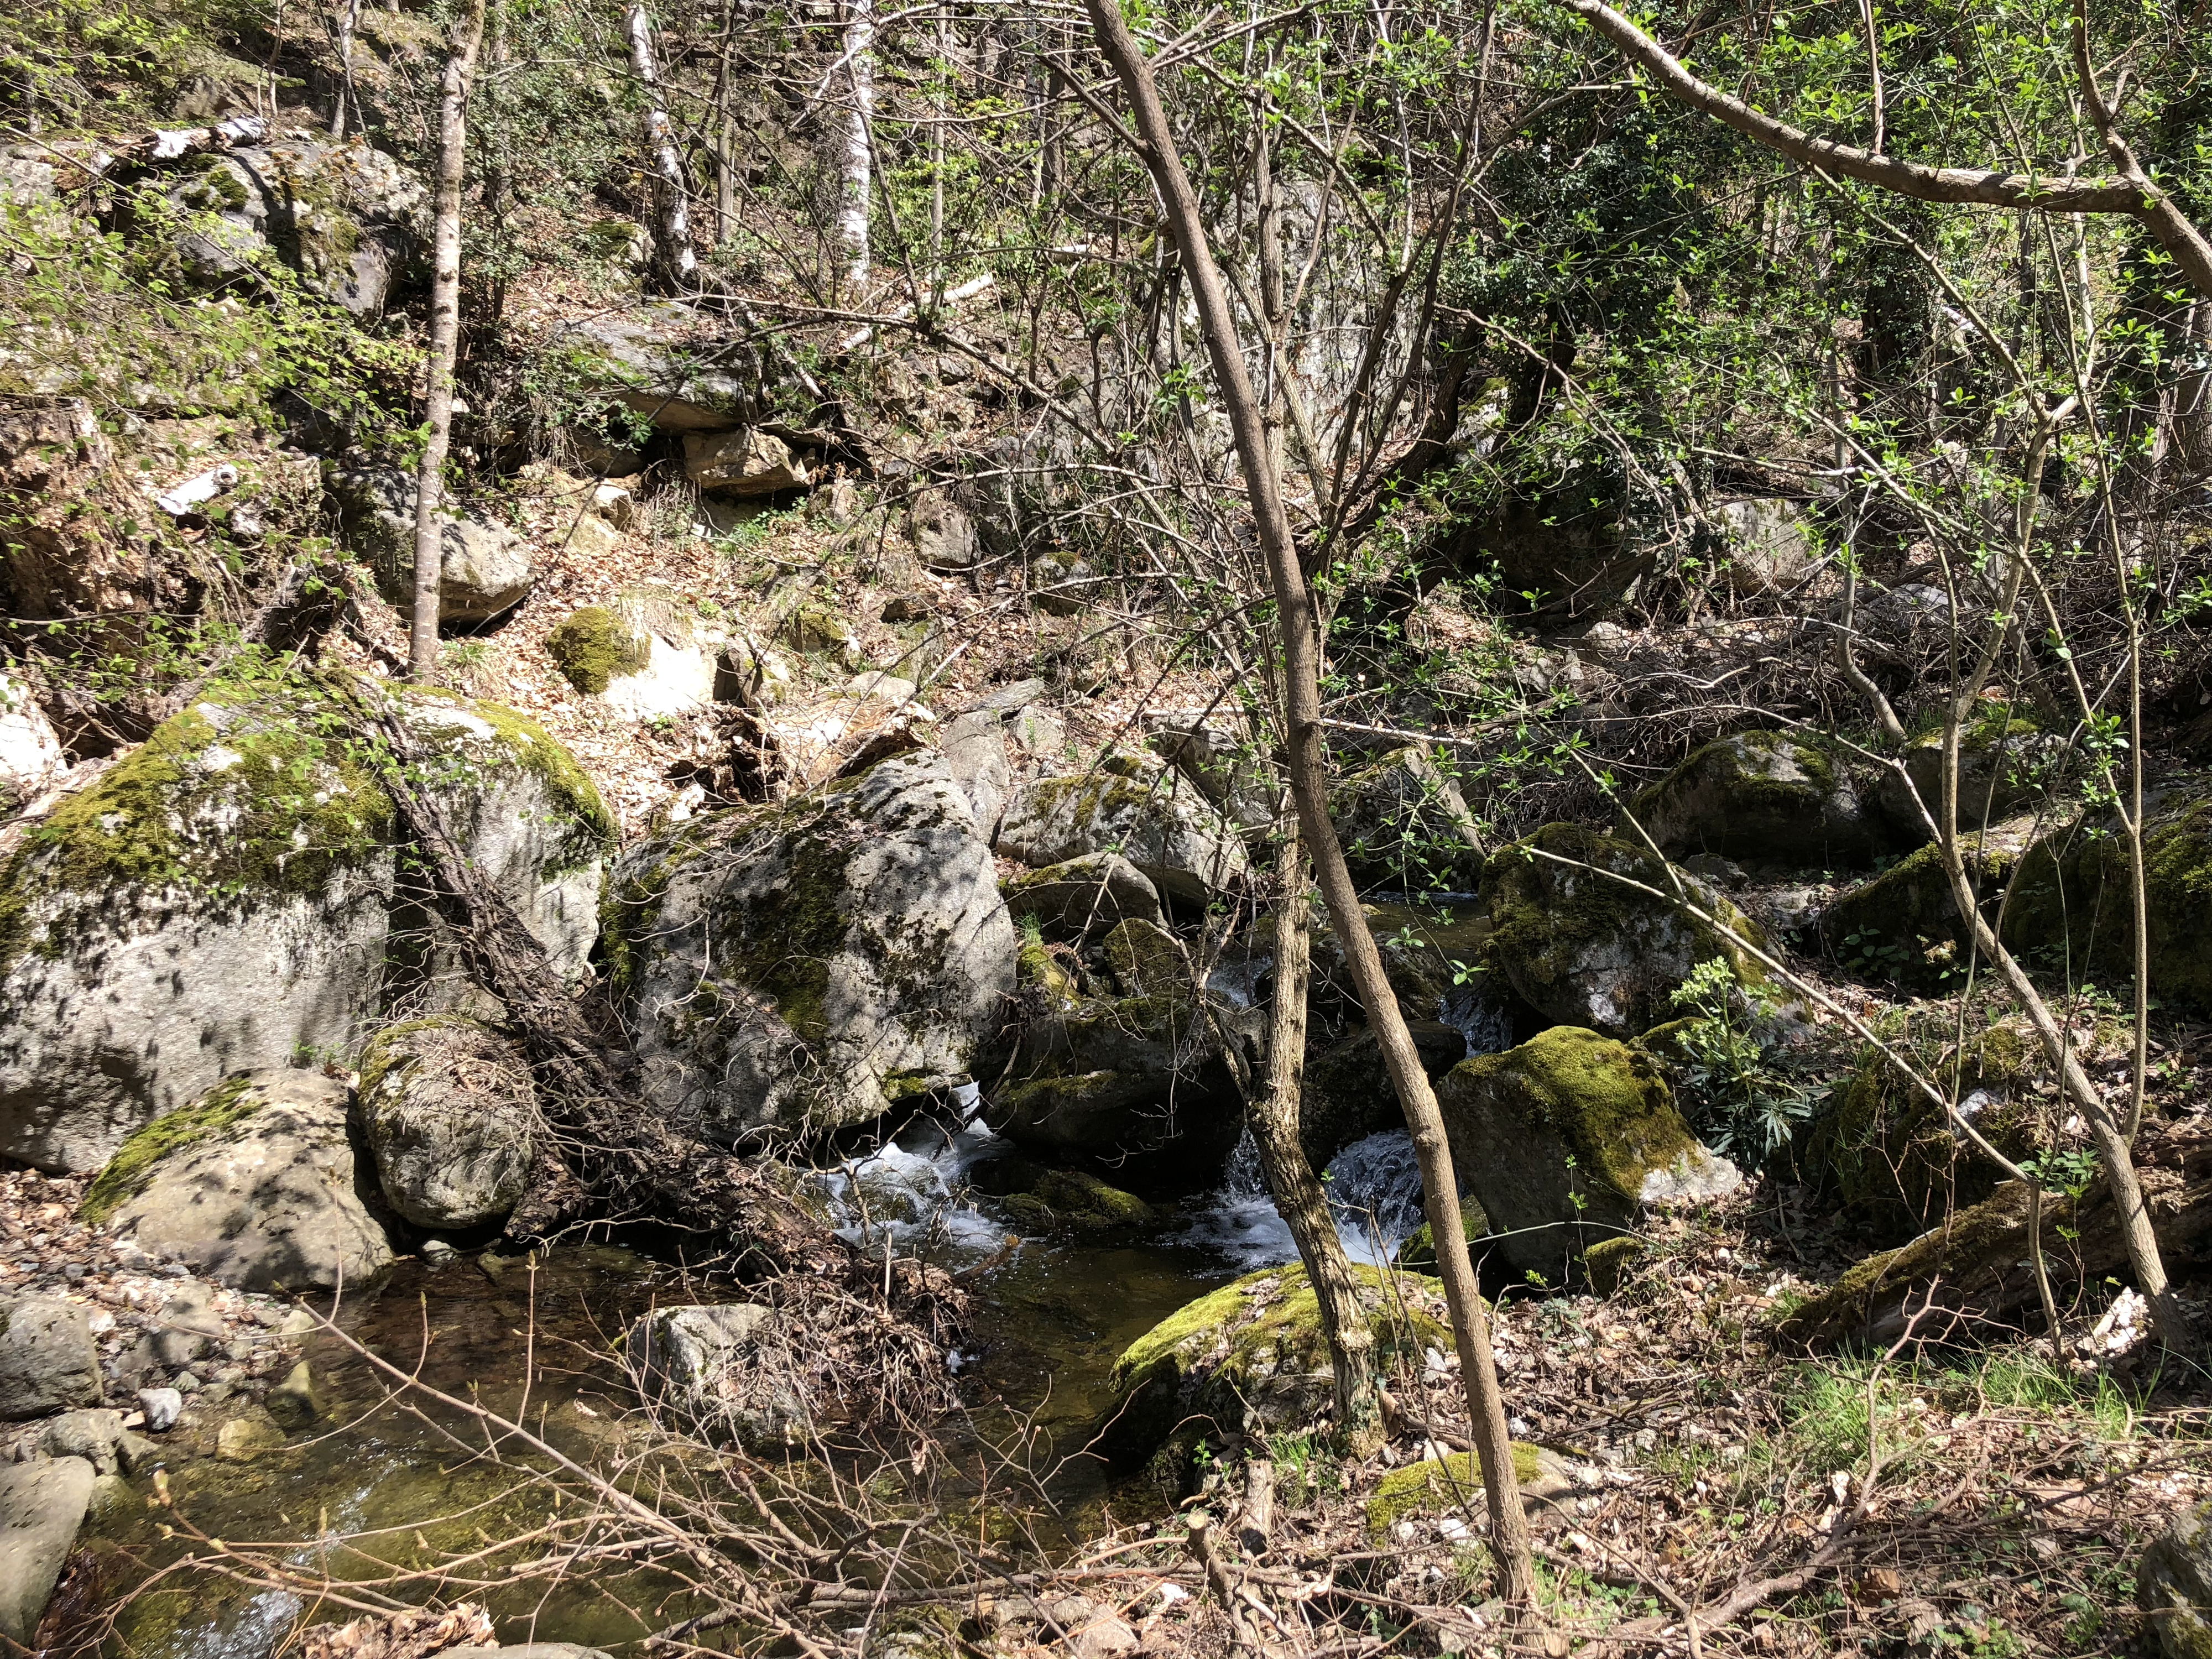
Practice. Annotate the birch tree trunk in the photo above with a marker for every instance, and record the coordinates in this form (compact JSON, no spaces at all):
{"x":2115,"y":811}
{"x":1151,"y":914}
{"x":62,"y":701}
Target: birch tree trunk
{"x":445,"y":340}
{"x":854,"y":140}
{"x":1155,"y":142}
{"x":675,"y":260}
{"x":348,"y":24}
{"x":1274,"y":1117}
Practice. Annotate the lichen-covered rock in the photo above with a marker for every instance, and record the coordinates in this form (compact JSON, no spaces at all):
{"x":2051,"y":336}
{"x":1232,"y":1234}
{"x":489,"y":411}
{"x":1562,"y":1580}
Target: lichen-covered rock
{"x":1766,"y":796}
{"x":1769,"y":548}
{"x":2173,"y":1586}
{"x":483,"y":567}
{"x":1453,"y":1482}
{"x":348,"y":218}
{"x":48,"y":1360}
{"x":1895,"y":1162}
{"x":256,"y":1187}
{"x":30,"y":753}
{"x":1583,"y":948}
{"x":1405,"y":826}
{"x":726,"y":1372}
{"x":1251,"y":1355}
{"x":750,"y":461}
{"x":1566,"y":1139}
{"x":1904,"y":925}
{"x":1159,"y":822}
{"x":664,"y":362}
{"x":450,"y":1116}
{"x":1084,"y":895}
{"x":2004,"y":767}
{"x":42,"y":1503}
{"x":805,"y":966}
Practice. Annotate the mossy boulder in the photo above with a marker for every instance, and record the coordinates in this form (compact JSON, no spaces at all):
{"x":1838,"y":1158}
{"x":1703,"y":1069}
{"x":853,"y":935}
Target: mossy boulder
{"x":1895,"y":1162}
{"x":1904,"y":925}
{"x":593,"y":647}
{"x":1158,"y":822}
{"x":1768,"y":796}
{"x":1348,"y":1093}
{"x":1440,"y":1486}
{"x":1419,"y":1253}
{"x":1039,"y":1197}
{"x":2174,"y":1587}
{"x":483,"y":567}
{"x":447,"y":1109}
{"x":258,"y":1186}
{"x":1251,"y":1356}
{"x":1084,"y":895}
{"x":1566,"y":1139}
{"x":226,"y":898}
{"x":1589,"y":931}
{"x":1405,"y":826}
{"x":805,"y":966}
{"x":2005,"y":766}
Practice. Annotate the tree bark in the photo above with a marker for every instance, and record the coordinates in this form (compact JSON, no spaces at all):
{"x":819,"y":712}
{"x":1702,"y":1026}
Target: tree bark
{"x":348,"y":25}
{"x":445,"y":340}
{"x":1273,"y":1115}
{"x":675,"y":259}
{"x":1155,"y":142}
{"x":854,"y":140}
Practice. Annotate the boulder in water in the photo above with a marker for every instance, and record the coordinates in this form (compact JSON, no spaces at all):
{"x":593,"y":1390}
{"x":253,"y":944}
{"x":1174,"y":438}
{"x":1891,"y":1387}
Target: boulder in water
{"x":1251,"y":1357}
{"x":727,"y":1371}
{"x":1157,"y":821}
{"x":1768,"y":796}
{"x":1405,"y":826}
{"x":1419,"y":1253}
{"x":42,"y":1503}
{"x":1566,"y":1138}
{"x":807,"y":966}
{"x":48,"y":1360}
{"x":1587,"y":931}
{"x":450,"y":1116}
{"x":256,"y":1186}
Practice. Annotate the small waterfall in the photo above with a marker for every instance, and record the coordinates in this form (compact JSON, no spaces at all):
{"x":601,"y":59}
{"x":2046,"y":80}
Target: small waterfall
{"x":911,"y":1183}
{"x":1373,"y":1188}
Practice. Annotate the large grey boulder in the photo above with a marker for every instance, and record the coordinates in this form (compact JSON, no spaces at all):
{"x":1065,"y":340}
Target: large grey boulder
{"x":48,"y":1361}
{"x":2173,"y":1586}
{"x":1566,"y":1139}
{"x":2004,"y":767}
{"x":1224,"y":761}
{"x":1590,"y":931}
{"x":42,"y":1503}
{"x":1765,"y":796}
{"x":1085,"y":896}
{"x":808,"y":966}
{"x":1157,"y":820}
{"x":223,"y":899}
{"x":667,"y":363}
{"x":30,"y":752}
{"x":1770,"y":547}
{"x":255,"y":1187}
{"x":728,"y":1371}
{"x":484,"y":569}
{"x":750,"y":461}
{"x":973,"y":745}
{"x":348,"y":218}
{"x":1405,"y":825}
{"x":447,"y":1108}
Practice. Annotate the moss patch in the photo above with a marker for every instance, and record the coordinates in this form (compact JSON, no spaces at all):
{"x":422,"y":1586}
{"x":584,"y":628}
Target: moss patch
{"x":1432,"y":1484}
{"x":592,"y":647}
{"x":131,"y":1171}
{"x":1419,"y":1253}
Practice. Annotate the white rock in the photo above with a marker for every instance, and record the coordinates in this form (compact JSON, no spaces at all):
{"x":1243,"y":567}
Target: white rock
{"x":162,"y":1407}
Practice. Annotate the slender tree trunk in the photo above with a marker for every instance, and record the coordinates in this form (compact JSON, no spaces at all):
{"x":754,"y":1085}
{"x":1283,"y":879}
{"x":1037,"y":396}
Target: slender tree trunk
{"x":445,"y":341}
{"x":854,"y":143}
{"x":349,"y":22}
{"x":1508,"y":1526}
{"x":675,"y":260}
{"x":1273,"y":1113}
{"x":937,"y":156}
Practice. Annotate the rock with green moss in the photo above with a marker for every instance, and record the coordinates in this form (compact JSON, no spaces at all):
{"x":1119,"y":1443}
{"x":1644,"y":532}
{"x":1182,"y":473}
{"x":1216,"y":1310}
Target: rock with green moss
{"x":2174,"y":1587}
{"x":1903,"y":925}
{"x":805,"y":966}
{"x":736,"y":1371}
{"x":1895,"y":1161}
{"x":2005,"y":766}
{"x":224,"y":898}
{"x":1442,"y":1485}
{"x":1251,"y":1356}
{"x":1405,"y":826}
{"x":1590,"y":931}
{"x":450,"y":1116}
{"x":1159,"y":822}
{"x":1419,"y":1253}
{"x":671,"y":365}
{"x":1084,"y":895}
{"x":349,"y":219}
{"x":256,"y":1187}
{"x":1348,"y":1093}
{"x":1566,"y":1139}
{"x":1767,"y":796}
{"x":1037,"y":1194}
{"x":483,"y":567}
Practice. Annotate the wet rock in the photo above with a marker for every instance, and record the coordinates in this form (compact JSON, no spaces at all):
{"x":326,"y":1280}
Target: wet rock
{"x":747,"y":462}
{"x":1583,"y":948}
{"x":484,"y":569}
{"x":1251,"y":1357}
{"x":1405,"y":826}
{"x":251,"y":1435}
{"x":347,"y":218}
{"x":30,"y":752}
{"x":448,"y":1111}
{"x":255,"y":1186}
{"x":2174,"y":1587}
{"x":1348,"y":1093}
{"x":48,"y":1359}
{"x":162,"y":1408}
{"x":42,"y":1503}
{"x":810,"y":965}
{"x":1766,"y":796}
{"x":1566,"y":1139}
{"x":1087,"y":896}
{"x":295,"y":1403}
{"x":727,"y":1371}
{"x":1037,"y":1196}
{"x":1160,"y":823}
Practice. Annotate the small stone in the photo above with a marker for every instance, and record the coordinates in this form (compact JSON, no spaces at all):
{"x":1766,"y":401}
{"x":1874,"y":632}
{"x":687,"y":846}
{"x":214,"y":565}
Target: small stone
{"x":295,"y":1403}
{"x":247,"y":1436}
{"x":188,"y":1383}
